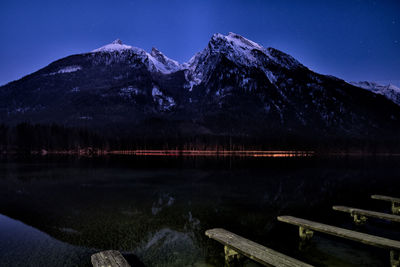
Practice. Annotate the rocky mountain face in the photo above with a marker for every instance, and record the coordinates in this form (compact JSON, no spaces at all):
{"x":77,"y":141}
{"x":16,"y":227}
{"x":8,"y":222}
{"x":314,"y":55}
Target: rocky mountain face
{"x":233,"y":87}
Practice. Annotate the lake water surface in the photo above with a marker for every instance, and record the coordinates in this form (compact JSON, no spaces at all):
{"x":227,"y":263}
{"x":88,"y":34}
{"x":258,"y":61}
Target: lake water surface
{"x":57,"y":211}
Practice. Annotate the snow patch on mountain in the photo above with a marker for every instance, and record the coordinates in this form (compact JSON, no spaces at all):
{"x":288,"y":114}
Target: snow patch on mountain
{"x":162,"y":63}
{"x":85,"y":118}
{"x":165,"y":103}
{"x":67,"y":69}
{"x":129,"y":92}
{"x":222,"y":92}
{"x":156,"y":92}
{"x":390,"y":91}
{"x":271,"y":77}
{"x":242,"y":42}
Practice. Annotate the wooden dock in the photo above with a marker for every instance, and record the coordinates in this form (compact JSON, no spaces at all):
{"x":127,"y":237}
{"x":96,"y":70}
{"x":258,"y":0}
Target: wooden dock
{"x":360,"y":215}
{"x":394,"y":200}
{"x":235,"y":246}
{"x":381,"y":242}
{"x":344,"y":233}
{"x":109,"y":258}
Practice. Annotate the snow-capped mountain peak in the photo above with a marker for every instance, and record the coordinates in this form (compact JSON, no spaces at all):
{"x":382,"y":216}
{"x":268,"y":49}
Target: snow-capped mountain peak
{"x":235,"y":47}
{"x":115,"y":46}
{"x":117,"y":41}
{"x":242,"y":52}
{"x":155,"y":60}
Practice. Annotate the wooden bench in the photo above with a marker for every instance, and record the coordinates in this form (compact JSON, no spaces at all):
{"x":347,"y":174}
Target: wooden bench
{"x":235,"y":246}
{"x":109,"y":258}
{"x":306,"y":227}
{"x":395,"y":202}
{"x":360,"y":216}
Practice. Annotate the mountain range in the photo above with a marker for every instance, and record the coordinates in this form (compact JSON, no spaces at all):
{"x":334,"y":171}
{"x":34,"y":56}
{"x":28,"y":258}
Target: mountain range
{"x":234,"y":87}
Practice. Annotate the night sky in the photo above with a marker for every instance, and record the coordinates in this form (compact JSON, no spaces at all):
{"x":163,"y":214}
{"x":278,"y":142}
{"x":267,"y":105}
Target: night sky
{"x":351,"y":39}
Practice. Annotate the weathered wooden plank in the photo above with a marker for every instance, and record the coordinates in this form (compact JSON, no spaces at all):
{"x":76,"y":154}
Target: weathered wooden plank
{"x":253,"y":250}
{"x":109,"y":258}
{"x":368,"y":213}
{"x":386,"y":198}
{"x":395,"y":202}
{"x":344,"y":233}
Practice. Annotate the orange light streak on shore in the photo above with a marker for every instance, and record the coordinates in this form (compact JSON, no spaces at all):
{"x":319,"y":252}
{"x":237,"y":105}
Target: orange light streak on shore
{"x":243,"y":153}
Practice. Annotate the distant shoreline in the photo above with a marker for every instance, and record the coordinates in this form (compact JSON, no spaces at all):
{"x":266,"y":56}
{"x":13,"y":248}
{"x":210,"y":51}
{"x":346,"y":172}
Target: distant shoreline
{"x":169,"y":152}
{"x":251,"y":153}
{"x":90,"y":152}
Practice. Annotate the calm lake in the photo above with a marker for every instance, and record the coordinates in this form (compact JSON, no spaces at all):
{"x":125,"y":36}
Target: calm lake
{"x":57,"y":211}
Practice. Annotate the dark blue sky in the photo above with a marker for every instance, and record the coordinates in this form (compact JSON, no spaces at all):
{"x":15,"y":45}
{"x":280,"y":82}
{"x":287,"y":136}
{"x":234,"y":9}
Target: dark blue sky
{"x":351,"y":39}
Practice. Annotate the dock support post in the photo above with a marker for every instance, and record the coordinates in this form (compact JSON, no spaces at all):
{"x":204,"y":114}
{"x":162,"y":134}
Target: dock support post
{"x":359,"y":219}
{"x":305,"y":234}
{"x":232,"y":258}
{"x":394,"y":258}
{"x":395,"y":208}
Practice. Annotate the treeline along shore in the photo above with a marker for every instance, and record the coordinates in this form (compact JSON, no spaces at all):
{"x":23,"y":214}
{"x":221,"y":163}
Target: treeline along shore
{"x":28,"y":138}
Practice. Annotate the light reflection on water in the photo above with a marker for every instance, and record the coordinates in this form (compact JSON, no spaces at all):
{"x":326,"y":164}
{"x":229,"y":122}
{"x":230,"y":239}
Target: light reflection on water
{"x":158,"y":209}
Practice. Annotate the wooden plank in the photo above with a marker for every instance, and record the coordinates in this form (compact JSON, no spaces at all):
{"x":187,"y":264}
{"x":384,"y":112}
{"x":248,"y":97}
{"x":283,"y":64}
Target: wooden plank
{"x":395,"y":202}
{"x":386,"y":198}
{"x":253,"y":250}
{"x":344,"y":233}
{"x":368,"y":213}
{"x":109,"y":258}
